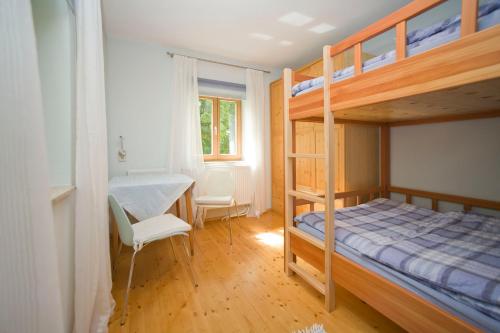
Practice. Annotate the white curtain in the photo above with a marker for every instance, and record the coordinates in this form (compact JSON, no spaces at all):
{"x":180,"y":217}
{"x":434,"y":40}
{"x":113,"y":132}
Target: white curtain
{"x":254,"y":136}
{"x":186,"y":153}
{"x":30,"y":295}
{"x":93,"y":301}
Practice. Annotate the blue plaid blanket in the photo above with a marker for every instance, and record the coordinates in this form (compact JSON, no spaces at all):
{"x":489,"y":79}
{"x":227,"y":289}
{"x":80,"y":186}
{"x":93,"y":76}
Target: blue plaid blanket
{"x":455,"y":252}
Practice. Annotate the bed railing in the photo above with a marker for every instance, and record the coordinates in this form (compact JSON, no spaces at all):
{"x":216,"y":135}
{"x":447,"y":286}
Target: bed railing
{"x":398,"y":20}
{"x":369,"y":194}
{"x":361,"y":196}
{"x":468,"y":203}
{"x":297,"y":78}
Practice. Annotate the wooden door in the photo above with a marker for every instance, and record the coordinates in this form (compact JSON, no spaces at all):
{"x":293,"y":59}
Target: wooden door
{"x":339,"y":162}
{"x":361,"y":156}
{"x":361,"y":145}
{"x":277,"y":154}
{"x":339,"y":158}
{"x":305,"y":142}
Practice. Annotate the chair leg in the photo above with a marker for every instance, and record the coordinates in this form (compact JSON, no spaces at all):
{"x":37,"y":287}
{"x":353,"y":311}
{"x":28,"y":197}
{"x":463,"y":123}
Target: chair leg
{"x":237,"y":211}
{"x":203,"y":215}
{"x":125,"y":302}
{"x":196,"y":217}
{"x":188,"y":262}
{"x":115,"y":263}
{"x":173,"y":251}
{"x":230,"y":227}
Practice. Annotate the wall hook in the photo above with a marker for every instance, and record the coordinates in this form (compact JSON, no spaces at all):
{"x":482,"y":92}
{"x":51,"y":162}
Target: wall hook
{"x":122,"y":153}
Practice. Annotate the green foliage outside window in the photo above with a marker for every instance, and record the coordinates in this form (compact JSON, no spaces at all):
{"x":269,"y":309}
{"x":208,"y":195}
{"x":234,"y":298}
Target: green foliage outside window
{"x":220,"y":116}
{"x":227,"y":123}
{"x":206,"y":112}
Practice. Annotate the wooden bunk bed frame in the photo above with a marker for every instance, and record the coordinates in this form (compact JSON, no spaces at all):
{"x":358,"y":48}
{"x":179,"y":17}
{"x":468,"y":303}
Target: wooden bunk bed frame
{"x":409,"y":88}
{"x":425,"y":88}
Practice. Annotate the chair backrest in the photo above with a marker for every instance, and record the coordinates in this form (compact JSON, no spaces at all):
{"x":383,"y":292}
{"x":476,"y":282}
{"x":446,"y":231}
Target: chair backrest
{"x":219,"y":182}
{"x":124,"y":226}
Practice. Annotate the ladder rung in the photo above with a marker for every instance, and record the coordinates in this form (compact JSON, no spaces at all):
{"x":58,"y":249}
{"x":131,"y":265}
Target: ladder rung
{"x":300,"y":155}
{"x":307,"y":196}
{"x":305,"y":236}
{"x":308,"y":277}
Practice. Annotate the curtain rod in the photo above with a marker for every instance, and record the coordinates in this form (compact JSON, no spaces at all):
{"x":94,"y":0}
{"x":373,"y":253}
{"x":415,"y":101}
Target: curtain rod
{"x":171,"y":54}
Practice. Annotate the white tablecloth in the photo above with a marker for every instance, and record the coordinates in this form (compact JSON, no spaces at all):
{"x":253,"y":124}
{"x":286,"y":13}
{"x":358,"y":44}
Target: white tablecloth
{"x":148,"y":195}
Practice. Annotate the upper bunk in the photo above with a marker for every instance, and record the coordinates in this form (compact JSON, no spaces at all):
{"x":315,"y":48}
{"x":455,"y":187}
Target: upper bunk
{"x":446,"y":70}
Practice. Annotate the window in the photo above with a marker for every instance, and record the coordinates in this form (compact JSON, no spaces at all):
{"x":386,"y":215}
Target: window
{"x":220,"y":128}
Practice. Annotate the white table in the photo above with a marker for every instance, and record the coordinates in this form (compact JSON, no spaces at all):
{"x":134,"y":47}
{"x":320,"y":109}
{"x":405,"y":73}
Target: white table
{"x":148,"y":195}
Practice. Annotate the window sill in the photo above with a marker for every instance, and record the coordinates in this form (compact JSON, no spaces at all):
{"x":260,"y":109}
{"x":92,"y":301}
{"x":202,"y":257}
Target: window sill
{"x":226,"y":163}
{"x":59,"y":193}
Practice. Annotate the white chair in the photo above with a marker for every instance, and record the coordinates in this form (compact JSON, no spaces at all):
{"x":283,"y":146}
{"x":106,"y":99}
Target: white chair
{"x":143,"y":233}
{"x":217,"y":191}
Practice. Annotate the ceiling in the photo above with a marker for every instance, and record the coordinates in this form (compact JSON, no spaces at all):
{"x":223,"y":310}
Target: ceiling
{"x":247,"y":31}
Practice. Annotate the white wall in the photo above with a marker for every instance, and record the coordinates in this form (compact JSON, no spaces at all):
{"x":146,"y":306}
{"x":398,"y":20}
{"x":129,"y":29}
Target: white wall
{"x":56,"y":45}
{"x":138,"y":93}
{"x":138,"y":90}
{"x":461,"y":158}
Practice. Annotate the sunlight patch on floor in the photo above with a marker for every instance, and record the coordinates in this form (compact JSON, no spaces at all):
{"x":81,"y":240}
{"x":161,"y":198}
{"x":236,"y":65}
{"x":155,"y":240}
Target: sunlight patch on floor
{"x":274,"y":239}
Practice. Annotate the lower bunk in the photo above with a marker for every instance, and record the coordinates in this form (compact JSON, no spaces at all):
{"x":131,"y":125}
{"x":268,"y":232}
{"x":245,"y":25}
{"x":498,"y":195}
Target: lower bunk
{"x":425,"y":270}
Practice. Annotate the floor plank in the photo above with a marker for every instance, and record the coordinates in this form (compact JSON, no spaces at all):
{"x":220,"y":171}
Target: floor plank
{"x":241,"y":288}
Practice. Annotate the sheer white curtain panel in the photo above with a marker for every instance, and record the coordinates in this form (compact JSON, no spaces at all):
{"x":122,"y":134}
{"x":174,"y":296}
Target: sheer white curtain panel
{"x":254,"y":137}
{"x":93,"y":301}
{"x":30,"y":294}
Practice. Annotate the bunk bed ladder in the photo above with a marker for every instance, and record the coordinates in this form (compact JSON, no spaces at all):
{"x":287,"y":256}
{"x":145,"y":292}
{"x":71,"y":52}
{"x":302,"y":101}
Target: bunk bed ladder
{"x":325,"y":287}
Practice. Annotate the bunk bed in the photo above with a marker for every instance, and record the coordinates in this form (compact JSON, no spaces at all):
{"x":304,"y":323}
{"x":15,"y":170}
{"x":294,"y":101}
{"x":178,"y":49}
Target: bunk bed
{"x":446,"y":72}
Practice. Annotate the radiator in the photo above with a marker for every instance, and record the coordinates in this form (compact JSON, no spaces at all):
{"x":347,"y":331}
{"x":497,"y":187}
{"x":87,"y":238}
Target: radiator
{"x":243,"y":179}
{"x":244,"y":186}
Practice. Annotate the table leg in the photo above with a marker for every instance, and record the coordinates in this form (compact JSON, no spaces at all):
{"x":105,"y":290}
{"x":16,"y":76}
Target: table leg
{"x":114,"y":237}
{"x":178,"y":208}
{"x":189,"y":211}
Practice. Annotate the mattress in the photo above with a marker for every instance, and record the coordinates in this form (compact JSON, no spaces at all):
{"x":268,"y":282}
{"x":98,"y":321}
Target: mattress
{"x":381,"y":221}
{"x":418,"y":41}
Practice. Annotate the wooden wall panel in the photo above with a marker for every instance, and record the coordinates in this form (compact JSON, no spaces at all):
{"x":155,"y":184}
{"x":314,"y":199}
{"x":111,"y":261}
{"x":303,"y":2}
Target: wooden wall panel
{"x":305,"y":142}
{"x":277,"y":154}
{"x":361,"y":157}
{"x":312,"y":69}
{"x":339,"y":162}
{"x":320,"y":149}
{"x":339,"y":157}
{"x":361,"y":146}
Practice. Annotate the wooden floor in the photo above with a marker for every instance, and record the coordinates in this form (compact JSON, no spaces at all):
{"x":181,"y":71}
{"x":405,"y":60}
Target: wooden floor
{"x":241,"y":288}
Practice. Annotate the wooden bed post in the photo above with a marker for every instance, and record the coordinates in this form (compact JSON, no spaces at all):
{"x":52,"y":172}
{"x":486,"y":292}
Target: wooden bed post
{"x":294,"y":165}
{"x":358,"y":59}
{"x":401,"y":40}
{"x":385,"y":159}
{"x":289,"y":167}
{"x":329,"y":132}
{"x":469,"y":17}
